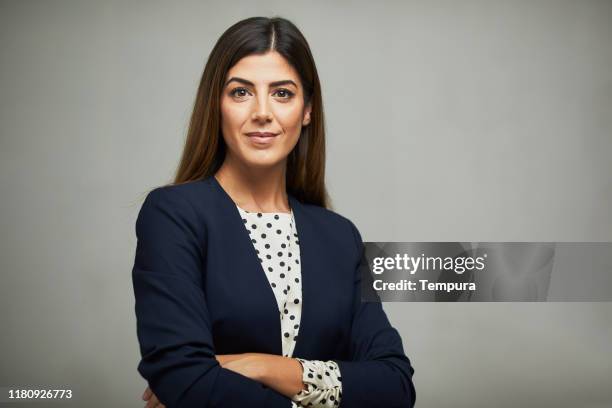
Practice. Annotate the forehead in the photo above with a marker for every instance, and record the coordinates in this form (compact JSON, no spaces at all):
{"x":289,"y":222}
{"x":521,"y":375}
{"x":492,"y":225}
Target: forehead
{"x":263,"y":68}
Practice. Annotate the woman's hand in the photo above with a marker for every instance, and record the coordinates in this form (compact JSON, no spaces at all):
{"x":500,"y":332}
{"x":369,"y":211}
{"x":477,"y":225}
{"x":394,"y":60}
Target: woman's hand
{"x":152,"y":401}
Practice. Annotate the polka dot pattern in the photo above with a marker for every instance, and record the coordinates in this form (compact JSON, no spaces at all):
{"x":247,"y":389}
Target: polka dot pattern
{"x":323,"y":384}
{"x":274,"y":236}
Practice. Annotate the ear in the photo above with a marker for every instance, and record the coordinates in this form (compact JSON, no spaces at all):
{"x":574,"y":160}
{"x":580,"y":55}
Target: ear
{"x":306,"y":118}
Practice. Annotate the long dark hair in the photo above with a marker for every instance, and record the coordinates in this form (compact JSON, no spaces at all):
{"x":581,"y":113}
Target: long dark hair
{"x":205,"y":148}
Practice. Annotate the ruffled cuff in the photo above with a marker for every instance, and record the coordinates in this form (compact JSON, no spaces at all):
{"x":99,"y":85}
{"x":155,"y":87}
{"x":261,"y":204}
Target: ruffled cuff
{"x":323,"y":384}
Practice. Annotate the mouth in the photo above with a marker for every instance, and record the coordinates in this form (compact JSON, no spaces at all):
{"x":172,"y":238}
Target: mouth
{"x":262,"y":134}
{"x":262,"y":137}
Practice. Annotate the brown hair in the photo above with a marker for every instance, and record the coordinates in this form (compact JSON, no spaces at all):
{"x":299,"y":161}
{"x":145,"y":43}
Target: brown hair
{"x":204,"y":149}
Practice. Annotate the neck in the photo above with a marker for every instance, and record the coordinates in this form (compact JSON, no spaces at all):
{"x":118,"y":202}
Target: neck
{"x":255,"y":189}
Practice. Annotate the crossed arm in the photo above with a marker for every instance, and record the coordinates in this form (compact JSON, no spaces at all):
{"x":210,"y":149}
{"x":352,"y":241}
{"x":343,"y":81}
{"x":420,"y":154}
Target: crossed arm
{"x":282,"y":374}
{"x":175,"y":330}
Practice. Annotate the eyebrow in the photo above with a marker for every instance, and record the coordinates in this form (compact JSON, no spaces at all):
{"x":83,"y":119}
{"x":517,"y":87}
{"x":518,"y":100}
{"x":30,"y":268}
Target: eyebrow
{"x":275,"y":83}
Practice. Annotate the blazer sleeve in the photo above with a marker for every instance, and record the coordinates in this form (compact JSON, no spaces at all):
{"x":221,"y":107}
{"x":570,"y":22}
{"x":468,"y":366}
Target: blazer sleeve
{"x":378,"y":374}
{"x":173,"y":323}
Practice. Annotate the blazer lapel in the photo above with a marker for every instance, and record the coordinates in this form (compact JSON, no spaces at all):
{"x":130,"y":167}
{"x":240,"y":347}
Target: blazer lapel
{"x":258,"y":287}
{"x":257,"y":295}
{"x":304,"y":238}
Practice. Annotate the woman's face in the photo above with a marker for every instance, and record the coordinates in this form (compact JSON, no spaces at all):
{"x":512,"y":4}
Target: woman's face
{"x":262,"y":94}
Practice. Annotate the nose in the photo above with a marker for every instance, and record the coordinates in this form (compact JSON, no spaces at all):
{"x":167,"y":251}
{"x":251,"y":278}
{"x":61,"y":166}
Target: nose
{"x":262,"y":111}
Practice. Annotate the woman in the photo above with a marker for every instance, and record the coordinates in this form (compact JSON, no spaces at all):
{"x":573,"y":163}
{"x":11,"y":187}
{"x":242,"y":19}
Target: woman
{"x":244,"y":233}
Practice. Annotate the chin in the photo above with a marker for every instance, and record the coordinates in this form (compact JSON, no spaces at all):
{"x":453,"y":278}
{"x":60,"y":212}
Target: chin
{"x":263,"y":162}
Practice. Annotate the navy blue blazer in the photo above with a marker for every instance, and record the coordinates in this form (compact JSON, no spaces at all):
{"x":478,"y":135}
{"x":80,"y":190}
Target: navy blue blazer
{"x":200,"y":290}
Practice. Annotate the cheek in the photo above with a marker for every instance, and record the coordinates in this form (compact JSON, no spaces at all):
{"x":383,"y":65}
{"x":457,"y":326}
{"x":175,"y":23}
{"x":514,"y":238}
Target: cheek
{"x":233,"y":116}
{"x":290,"y":118}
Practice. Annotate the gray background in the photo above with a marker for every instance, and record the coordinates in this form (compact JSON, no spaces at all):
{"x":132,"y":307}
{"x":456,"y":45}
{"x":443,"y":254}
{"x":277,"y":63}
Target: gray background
{"x":467,"y":121}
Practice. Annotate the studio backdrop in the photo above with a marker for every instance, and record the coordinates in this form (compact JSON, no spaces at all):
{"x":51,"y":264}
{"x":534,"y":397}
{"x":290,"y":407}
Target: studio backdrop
{"x":447,"y":121}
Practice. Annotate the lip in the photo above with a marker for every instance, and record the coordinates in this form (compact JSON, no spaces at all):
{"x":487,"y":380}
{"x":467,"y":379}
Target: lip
{"x":261,"y":134}
{"x":262,"y":138}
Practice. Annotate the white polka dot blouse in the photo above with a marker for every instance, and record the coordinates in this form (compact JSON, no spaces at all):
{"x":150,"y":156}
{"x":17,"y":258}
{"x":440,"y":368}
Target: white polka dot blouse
{"x":274,"y":236}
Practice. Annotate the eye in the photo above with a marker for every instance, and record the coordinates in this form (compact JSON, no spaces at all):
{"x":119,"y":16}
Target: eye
{"x":284,"y":93}
{"x":239,"y":92}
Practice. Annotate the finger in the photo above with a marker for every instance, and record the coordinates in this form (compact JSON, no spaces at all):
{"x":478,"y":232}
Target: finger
{"x":147,"y":394}
{"x":152,"y":402}
{"x":155,"y":401}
